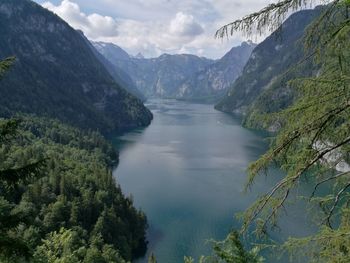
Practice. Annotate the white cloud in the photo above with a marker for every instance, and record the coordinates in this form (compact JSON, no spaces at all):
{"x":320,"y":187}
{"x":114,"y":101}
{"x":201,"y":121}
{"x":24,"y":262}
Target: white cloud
{"x":93,"y":25}
{"x":185,"y":25}
{"x":156,"y":26}
{"x":152,"y":38}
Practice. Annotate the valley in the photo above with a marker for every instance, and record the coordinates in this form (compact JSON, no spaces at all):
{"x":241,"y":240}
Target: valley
{"x":184,"y":76}
{"x":190,"y":151}
{"x":186,"y":171}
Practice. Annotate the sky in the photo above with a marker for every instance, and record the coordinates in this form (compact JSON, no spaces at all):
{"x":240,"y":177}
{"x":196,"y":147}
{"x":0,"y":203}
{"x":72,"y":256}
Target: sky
{"x":154,"y":27}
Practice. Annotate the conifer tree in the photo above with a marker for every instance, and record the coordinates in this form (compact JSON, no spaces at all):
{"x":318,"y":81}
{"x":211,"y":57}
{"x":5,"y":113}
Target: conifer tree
{"x":313,"y":144}
{"x":230,"y":250}
{"x":10,"y":177}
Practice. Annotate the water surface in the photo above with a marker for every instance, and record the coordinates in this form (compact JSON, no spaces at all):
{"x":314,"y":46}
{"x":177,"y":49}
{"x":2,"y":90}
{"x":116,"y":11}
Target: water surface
{"x":187,"y":172}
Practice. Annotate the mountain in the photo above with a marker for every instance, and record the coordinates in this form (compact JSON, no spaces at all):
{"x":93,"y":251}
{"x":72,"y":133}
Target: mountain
{"x":187,"y":77}
{"x":161,"y":77}
{"x":212,"y":82}
{"x":139,"y":55}
{"x":263,"y":86}
{"x":111,"y":51}
{"x":57,"y":74}
{"x":118,"y":74}
{"x":154,"y":77}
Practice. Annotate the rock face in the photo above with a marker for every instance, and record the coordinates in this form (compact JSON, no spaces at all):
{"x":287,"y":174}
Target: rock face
{"x":263,"y":86}
{"x":111,"y":51}
{"x":119,"y":75}
{"x":162,"y":76}
{"x":56,"y":73}
{"x":211,"y":83}
{"x":155,"y":77}
{"x":183,"y":76}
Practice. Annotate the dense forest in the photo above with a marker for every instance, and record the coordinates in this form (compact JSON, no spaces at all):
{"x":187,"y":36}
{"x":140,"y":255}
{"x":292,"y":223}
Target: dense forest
{"x":70,"y":208}
{"x":58,"y":199}
{"x":56,"y":74}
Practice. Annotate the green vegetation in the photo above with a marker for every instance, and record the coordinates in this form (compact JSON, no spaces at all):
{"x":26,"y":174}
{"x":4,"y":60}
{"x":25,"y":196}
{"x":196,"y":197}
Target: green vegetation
{"x":314,"y":139}
{"x":74,"y":212}
{"x":58,"y":199}
{"x":264,"y":85}
{"x":60,"y":203}
{"x":10,"y":217}
{"x":57,"y":75}
{"x":230,"y":250}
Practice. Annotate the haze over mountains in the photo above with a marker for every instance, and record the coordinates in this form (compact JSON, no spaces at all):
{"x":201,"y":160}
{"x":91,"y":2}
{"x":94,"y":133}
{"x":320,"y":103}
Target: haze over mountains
{"x":180,"y":76}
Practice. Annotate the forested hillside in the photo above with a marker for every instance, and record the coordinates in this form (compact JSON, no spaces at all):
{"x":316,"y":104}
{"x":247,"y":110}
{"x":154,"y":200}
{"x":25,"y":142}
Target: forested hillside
{"x":63,"y":97}
{"x":57,"y":75}
{"x":58,"y":199}
{"x":263,"y":86}
{"x":119,"y":75}
{"x":73,"y":211}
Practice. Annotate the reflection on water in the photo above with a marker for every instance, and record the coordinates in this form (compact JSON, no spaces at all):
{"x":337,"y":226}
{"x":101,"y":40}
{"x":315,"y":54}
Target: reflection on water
{"x":187,"y":172}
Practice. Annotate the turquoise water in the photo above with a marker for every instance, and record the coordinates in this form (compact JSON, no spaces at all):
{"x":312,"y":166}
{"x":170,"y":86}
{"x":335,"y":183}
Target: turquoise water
{"x":187,"y":171}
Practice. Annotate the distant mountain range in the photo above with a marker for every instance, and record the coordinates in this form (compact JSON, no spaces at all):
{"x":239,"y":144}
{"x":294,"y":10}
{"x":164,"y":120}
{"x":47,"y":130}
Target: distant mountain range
{"x":182,"y":76}
{"x":264,"y":86}
{"x":211,"y":83}
{"x":58,"y":74}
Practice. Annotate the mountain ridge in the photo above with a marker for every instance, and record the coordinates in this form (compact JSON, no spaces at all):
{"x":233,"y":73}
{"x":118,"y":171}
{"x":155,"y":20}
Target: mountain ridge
{"x":57,"y":75}
{"x":180,"y":76}
{"x":263,"y":86}
{"x":211,"y":83}
{"x":154,"y":77}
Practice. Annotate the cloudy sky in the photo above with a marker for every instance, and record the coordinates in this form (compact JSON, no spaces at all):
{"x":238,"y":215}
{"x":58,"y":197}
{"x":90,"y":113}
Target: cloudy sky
{"x":153,"y":27}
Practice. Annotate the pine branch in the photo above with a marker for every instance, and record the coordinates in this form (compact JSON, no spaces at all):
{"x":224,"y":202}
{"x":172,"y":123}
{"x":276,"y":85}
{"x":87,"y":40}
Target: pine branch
{"x":13,"y":175}
{"x":13,"y":247}
{"x":327,"y":180}
{"x":5,"y":65}
{"x":271,"y":16}
{"x":276,"y":208}
{"x":8,"y":129}
{"x":291,"y":180}
{"x":336,"y":201}
{"x":324,"y":125}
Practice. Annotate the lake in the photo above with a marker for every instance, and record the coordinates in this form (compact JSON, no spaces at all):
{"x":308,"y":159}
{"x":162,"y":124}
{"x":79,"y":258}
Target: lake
{"x":187,"y":171}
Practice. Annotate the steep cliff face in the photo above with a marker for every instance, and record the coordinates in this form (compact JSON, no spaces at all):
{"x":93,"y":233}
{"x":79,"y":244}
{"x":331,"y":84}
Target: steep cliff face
{"x":118,"y":74}
{"x":263,"y":86}
{"x":211,"y":83}
{"x":155,"y":77}
{"x":162,"y":76}
{"x":183,"y":76}
{"x":56,"y":73}
{"x":111,"y":51}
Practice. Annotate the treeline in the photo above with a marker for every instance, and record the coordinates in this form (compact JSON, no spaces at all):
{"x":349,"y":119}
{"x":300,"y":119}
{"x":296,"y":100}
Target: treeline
{"x":70,"y":209}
